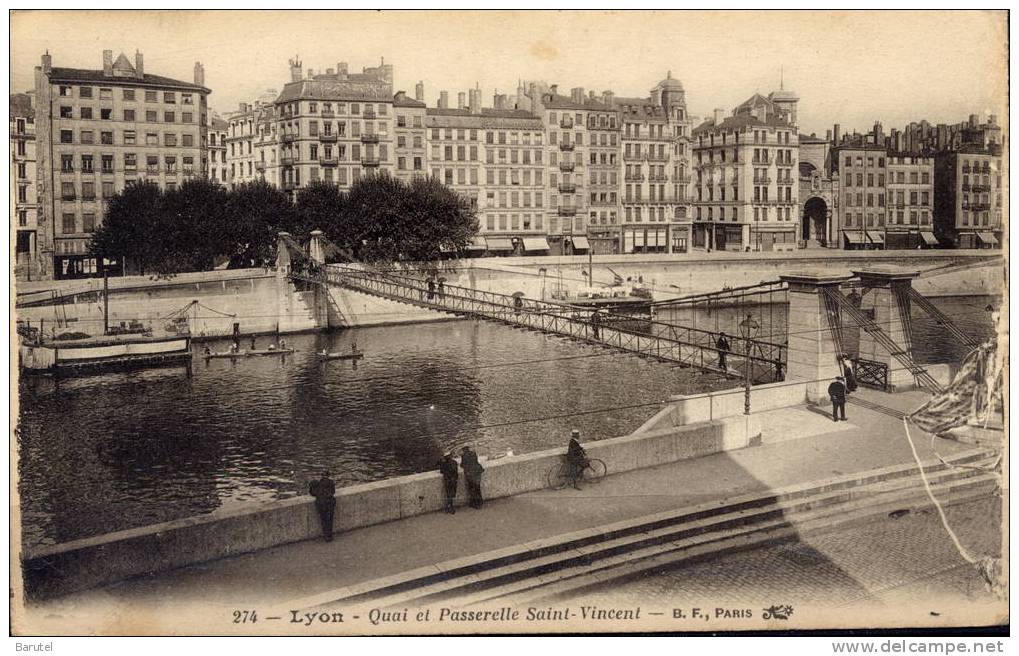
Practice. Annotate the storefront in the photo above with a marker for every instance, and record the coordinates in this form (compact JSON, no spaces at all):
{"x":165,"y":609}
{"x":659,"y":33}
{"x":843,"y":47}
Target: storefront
{"x":575,"y":245}
{"x":534,"y":246}
{"x":645,"y":240}
{"x":501,"y":246}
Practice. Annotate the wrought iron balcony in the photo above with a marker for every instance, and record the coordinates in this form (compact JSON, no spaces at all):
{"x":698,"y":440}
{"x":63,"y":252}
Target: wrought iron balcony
{"x":566,"y":166}
{"x":328,"y":113}
{"x":370,"y":161}
{"x":288,"y":137}
{"x":327,"y":137}
{"x":567,"y":211}
{"x":658,"y":178}
{"x":981,"y":187}
{"x":567,"y":188}
{"x":327,"y":161}
{"x":567,"y":146}
{"x":566,"y":123}
{"x":288,"y":161}
{"x":762,"y":181}
{"x":634,"y":177}
{"x":369,"y":138}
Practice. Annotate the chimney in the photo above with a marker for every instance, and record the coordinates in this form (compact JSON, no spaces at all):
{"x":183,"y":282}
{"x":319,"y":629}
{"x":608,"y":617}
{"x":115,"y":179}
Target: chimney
{"x":419,"y":91}
{"x":139,"y":65}
{"x":47,"y":62}
{"x":443,"y":100}
{"x":837,"y":133}
{"x":330,"y":71}
{"x":592,"y":95}
{"x":108,"y":63}
{"x":827,"y":135}
{"x":311,"y":74}
{"x":461,"y":100}
{"x":992,"y":119}
{"x":296,"y":72}
{"x":554,"y":89}
{"x":499,"y":101}
{"x":719,"y":116}
{"x":577,"y":95}
{"x":341,"y":70}
{"x":475,"y":101}
{"x":608,"y":98}
{"x":199,"y":74}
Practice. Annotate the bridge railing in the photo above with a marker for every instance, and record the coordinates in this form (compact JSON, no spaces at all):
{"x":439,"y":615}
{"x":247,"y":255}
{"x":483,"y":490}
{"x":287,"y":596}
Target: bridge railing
{"x":687,"y":346}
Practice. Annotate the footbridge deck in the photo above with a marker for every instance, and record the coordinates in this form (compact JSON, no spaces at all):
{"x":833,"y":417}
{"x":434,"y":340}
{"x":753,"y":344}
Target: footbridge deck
{"x":680,"y":345}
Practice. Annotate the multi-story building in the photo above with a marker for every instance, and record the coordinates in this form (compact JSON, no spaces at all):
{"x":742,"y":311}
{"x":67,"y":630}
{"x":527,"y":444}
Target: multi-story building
{"x":656,"y":170}
{"x":218,"y":129}
{"x":411,"y":134}
{"x":494,"y":158}
{"x":99,"y":130}
{"x":245,"y":127}
{"x":603,"y":173}
{"x":924,"y":137}
{"x":23,"y":185}
{"x":818,"y":193}
{"x":747,"y":194}
{"x":336,"y":126}
{"x":968,"y":198}
{"x":910,"y":199}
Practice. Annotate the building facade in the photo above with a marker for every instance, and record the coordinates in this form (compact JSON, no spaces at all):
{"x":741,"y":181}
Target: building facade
{"x":218,"y":129}
{"x":968,"y":198}
{"x":411,"y":134}
{"x":747,"y":185}
{"x":99,"y":130}
{"x":335,"y":127}
{"x":819,"y":191}
{"x":23,"y":198}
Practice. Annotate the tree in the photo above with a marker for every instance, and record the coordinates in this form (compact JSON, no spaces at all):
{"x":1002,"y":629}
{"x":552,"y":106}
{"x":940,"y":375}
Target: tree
{"x":130,"y":227}
{"x":322,"y":206}
{"x":256,"y":212}
{"x":195,"y":227}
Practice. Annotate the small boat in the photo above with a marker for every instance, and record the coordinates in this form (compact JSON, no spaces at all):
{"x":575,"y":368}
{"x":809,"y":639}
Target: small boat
{"x":104,"y":353}
{"x":353,"y":355}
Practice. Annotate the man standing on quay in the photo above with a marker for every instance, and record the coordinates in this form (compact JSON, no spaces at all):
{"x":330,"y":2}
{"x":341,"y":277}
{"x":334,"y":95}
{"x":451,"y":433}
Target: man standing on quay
{"x":837,"y":394}
{"x":450,"y":476}
{"x":472,"y":473}
{"x":324,"y":491}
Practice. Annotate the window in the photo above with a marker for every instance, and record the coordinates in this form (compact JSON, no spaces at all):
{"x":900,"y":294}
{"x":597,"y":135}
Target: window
{"x":168,"y":117}
{"x":67,"y":224}
{"x":169,"y":97}
{"x":186,"y":99}
{"x":188,"y":140}
{"x":151,"y":96}
{"x":187,"y":117}
{"x":107,"y":162}
{"x":170,"y":161}
{"x":67,"y":163}
{"x":65,"y":91}
{"x":107,"y":189}
{"x":88,"y":222}
{"x":66,"y":136}
{"x":106,"y":138}
{"x":86,"y":164}
{"x":67,"y":190}
{"x":169,"y":139}
{"x":151,"y":116}
{"x":88,"y":190}
{"x":129,"y":115}
{"x":105,"y":113}
{"x":129,"y":94}
{"x":85,"y":92}
{"x":130,"y":162}
{"x":152,"y":163}
{"x":130,"y":136}
{"x":151,"y":139}
{"x":66,"y":112}
{"x":87,"y":137}
{"x":22,"y":170}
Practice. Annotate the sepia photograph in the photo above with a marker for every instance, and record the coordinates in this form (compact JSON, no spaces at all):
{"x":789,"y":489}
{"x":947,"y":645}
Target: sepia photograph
{"x":514,"y":322}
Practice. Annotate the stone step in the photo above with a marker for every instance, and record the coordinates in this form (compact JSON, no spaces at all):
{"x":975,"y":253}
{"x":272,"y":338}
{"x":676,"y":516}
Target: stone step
{"x":443,"y":575}
{"x":670,"y":538}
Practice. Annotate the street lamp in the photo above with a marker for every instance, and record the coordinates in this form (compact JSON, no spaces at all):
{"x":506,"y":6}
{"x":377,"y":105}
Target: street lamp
{"x":748,"y":330}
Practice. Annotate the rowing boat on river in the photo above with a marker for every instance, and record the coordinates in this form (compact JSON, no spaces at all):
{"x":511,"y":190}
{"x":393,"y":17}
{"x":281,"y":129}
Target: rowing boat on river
{"x":245,"y":354}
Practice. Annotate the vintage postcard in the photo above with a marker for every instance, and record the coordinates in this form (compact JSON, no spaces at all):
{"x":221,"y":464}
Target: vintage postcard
{"x":463,"y":322}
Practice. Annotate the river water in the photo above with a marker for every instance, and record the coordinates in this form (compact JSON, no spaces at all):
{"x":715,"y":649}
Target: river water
{"x":111,"y":452}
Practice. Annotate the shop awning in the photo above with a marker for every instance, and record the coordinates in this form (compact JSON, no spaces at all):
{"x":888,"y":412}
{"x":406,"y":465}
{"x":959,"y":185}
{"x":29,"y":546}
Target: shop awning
{"x":638,"y":238}
{"x":581,"y":244}
{"x":535,"y":244}
{"x":663,"y":239}
{"x":875,"y":237}
{"x":499,"y":244}
{"x":854,"y":237}
{"x":929,"y":238}
{"x":987,"y":238}
{"x":477,"y":244}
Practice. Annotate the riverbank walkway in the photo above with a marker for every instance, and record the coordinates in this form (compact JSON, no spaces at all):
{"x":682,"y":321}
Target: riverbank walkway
{"x":799,"y":445}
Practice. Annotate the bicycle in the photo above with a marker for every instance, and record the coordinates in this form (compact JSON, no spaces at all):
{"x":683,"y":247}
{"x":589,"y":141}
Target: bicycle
{"x":558,"y":476}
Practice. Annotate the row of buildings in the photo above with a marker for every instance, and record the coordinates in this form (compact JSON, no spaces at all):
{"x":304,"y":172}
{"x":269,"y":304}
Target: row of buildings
{"x":548,"y":171}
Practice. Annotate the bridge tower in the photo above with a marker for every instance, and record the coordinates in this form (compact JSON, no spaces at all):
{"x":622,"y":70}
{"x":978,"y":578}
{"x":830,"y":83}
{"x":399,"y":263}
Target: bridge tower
{"x":811,"y":351}
{"x":886,"y":297}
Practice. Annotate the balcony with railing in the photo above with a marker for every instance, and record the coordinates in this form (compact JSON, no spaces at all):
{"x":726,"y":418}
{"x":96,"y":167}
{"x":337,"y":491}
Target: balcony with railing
{"x":979,"y":207}
{"x":328,"y":161}
{"x":567,"y":188}
{"x":260,"y":166}
{"x":764,"y":161}
{"x":328,"y":113}
{"x":762,"y":181}
{"x":369,"y":137}
{"x":370,"y":161}
{"x":288,"y":137}
{"x":566,"y":166}
{"x":634,"y":177}
{"x":327,"y":137}
{"x":654,"y":177}
{"x":566,"y":124}
{"x":981,"y":187}
{"x":567,"y":146}
{"x":288,"y":160}
{"x":633,"y":157}
{"x":654,"y":157}
{"x":567,"y":211}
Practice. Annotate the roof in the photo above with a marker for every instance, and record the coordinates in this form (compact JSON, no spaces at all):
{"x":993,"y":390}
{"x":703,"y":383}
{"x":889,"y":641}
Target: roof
{"x":489,"y":117}
{"x":404,"y":101}
{"x":733,"y":123}
{"x":782,"y":94}
{"x":640,"y":108}
{"x":219,"y":124}
{"x":354,"y":87}
{"x":21,"y":105}
{"x":556,"y":101}
{"x":670,"y":83}
{"x":810,"y":139}
{"x":99,"y":77}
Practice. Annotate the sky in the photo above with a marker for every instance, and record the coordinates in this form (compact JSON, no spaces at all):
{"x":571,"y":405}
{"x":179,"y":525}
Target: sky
{"x":851,"y":68}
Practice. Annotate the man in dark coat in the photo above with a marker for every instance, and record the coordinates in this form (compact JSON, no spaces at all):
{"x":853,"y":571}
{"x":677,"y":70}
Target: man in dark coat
{"x":576,"y":459}
{"x":324,"y":491}
{"x":450,"y":476}
{"x":722,"y":344}
{"x":837,"y":394}
{"x":472,"y":474}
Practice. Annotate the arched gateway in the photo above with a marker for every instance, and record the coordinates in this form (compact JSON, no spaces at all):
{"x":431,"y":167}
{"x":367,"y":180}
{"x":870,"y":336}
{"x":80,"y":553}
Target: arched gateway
{"x":815,"y":221}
